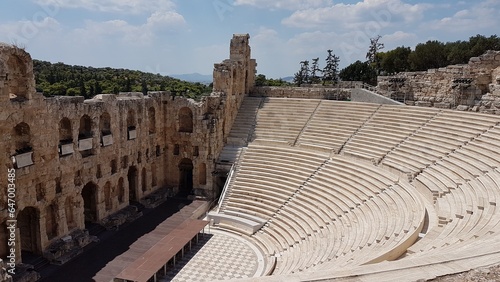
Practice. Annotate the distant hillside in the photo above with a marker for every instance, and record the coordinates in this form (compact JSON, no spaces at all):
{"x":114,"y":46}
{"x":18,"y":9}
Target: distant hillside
{"x":67,"y":80}
{"x":194,"y":77}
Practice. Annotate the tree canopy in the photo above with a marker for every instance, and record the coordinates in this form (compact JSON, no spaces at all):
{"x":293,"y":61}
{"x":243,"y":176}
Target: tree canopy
{"x":67,"y":80}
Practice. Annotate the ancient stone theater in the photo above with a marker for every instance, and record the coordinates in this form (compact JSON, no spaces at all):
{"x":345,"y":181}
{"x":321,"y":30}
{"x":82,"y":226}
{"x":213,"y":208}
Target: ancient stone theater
{"x":395,"y":183}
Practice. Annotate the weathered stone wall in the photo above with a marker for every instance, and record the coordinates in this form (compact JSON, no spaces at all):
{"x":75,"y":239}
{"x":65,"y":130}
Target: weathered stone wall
{"x":80,"y":160}
{"x":302,"y":92}
{"x":473,"y":86}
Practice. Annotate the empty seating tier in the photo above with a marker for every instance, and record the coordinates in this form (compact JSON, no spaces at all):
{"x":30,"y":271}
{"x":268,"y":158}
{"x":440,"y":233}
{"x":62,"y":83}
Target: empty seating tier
{"x":345,"y":188}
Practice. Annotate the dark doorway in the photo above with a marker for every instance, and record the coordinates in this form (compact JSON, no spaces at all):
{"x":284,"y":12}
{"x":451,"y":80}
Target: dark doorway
{"x":132,"y":184}
{"x":89,"y":195}
{"x":185,"y":177}
{"x":28,"y":221}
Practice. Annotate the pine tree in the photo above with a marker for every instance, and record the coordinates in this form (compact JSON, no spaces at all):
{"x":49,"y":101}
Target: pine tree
{"x":97,"y":88}
{"x":331,"y":72}
{"x":314,"y":71}
{"x":302,"y":76}
{"x":373,"y":50}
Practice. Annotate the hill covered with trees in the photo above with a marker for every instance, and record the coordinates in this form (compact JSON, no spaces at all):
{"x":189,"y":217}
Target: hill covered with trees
{"x":67,"y":80}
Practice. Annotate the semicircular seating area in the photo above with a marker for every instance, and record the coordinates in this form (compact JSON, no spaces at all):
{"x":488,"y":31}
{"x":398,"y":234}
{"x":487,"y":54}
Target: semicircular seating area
{"x":342,"y":186}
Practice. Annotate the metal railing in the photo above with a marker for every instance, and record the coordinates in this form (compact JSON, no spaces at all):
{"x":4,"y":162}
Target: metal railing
{"x":226,"y":185}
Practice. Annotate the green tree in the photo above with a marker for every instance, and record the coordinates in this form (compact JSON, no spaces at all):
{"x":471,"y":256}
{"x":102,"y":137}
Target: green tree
{"x":314,"y":71}
{"x":260,"y":80}
{"x":429,"y":55}
{"x":373,"y":50}
{"x":330,"y":72}
{"x":396,"y":60}
{"x":359,"y":71}
{"x":302,"y":76}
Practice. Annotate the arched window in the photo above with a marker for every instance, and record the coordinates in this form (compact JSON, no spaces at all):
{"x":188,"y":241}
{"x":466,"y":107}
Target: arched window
{"x":65,"y":131}
{"x":152,"y":120}
{"x":65,"y":137}
{"x":131,"y":125}
{"x":85,"y":136}
{"x":22,"y":144}
{"x":185,"y":120}
{"x":22,"y":137}
{"x":85,"y":130}
{"x":105,"y":124}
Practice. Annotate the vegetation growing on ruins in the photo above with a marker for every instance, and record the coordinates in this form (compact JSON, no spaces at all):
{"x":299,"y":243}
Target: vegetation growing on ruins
{"x":66,"y":80}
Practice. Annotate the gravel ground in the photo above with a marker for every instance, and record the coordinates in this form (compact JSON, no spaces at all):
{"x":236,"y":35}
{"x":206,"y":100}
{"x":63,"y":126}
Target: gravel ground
{"x":491,"y":274}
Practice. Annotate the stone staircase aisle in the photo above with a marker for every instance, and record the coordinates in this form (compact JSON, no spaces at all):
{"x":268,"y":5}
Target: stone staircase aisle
{"x":241,"y":132}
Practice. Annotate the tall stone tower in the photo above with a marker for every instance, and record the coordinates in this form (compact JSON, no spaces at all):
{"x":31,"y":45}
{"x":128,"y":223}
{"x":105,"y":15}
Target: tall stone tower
{"x":236,"y":75}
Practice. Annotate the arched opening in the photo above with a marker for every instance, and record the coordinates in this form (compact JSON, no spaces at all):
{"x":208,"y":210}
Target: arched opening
{"x":17,"y":79}
{"x":121,"y":191}
{"x":152,"y":120}
{"x":65,"y":137}
{"x":185,"y":120}
{"x":22,"y":141}
{"x":85,"y":130}
{"x":108,"y":199}
{"x":132,"y":184}
{"x":143,"y":177}
{"x":89,"y":195}
{"x":22,"y":137}
{"x":105,"y":124}
{"x":131,"y":125}
{"x":69,"y":212}
{"x":185,"y":177}
{"x":51,"y":221}
{"x":85,"y":136}
{"x":202,"y":174}
{"x":65,"y":131}
{"x":28,"y":221}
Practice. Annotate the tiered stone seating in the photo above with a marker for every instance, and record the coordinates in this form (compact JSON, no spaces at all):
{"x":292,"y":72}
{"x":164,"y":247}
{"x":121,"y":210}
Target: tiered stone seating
{"x":350,"y":212}
{"x":283,"y":119}
{"x":440,"y":136}
{"x":385,"y":130}
{"x":267,"y":178}
{"x":360,"y":210}
{"x":334,"y":122}
{"x":244,"y":121}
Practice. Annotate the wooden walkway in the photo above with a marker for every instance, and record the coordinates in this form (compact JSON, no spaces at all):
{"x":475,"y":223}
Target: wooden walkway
{"x":151,"y":253}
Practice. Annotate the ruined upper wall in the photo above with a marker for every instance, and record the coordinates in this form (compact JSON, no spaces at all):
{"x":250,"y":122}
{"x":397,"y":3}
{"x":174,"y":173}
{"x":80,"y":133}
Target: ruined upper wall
{"x":17,"y":81}
{"x":469,"y":86}
{"x":82,"y":160}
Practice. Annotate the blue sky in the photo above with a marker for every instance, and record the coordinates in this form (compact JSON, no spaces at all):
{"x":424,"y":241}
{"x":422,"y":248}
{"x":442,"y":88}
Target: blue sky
{"x":186,"y":36}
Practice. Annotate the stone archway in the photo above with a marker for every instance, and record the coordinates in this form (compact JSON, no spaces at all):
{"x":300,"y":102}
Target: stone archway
{"x":185,"y":177}
{"x":28,"y":222}
{"x":185,"y":120}
{"x":89,"y":195}
{"x":132,"y":184}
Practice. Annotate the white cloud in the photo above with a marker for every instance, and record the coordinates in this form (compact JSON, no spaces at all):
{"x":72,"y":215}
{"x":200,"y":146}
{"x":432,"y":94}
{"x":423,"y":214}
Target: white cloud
{"x":120,"y":6}
{"x":482,"y":15}
{"x":365,"y":14}
{"x":399,"y":38}
{"x":284,"y":4}
{"x":23,"y":31}
{"x":121,"y":30}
